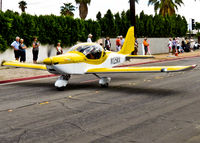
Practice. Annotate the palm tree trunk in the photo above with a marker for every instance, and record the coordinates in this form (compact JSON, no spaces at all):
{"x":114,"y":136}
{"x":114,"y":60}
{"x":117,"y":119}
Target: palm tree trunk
{"x":83,"y":10}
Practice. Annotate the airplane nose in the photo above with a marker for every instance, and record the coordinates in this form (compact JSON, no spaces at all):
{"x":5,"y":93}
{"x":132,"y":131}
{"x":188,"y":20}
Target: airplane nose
{"x":47,"y":61}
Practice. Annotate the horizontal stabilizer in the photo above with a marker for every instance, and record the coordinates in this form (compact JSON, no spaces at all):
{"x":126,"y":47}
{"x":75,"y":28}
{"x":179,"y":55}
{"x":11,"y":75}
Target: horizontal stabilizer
{"x":139,"y":57}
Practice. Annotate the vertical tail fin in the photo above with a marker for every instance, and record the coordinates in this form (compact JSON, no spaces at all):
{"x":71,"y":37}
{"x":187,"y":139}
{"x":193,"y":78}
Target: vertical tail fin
{"x":129,"y":44}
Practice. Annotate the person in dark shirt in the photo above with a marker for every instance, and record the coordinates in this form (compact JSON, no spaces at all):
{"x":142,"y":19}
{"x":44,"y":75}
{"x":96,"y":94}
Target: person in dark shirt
{"x":107,"y":44}
{"x":22,"y":48}
{"x":35,"y":50}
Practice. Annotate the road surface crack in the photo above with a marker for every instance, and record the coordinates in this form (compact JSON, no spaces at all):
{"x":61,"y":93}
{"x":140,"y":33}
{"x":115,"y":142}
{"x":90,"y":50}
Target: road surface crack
{"x":75,"y":125}
{"x":70,"y":108}
{"x":21,"y":135}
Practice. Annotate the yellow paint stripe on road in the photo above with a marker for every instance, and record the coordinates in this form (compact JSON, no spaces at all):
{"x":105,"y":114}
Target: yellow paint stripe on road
{"x":42,"y":103}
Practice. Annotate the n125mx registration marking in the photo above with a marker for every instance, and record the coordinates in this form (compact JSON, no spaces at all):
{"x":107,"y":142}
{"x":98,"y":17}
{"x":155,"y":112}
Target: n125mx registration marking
{"x":115,"y":60}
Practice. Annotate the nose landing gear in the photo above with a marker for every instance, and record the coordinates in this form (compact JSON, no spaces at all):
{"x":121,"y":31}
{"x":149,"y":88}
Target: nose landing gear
{"x":62,"y":82}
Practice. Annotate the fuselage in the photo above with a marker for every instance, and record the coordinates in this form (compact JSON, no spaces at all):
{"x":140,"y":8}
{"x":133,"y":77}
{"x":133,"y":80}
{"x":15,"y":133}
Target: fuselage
{"x":81,"y":67}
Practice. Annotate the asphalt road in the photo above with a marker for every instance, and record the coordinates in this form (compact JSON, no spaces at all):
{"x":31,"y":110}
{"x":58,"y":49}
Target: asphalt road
{"x":136,"y":108}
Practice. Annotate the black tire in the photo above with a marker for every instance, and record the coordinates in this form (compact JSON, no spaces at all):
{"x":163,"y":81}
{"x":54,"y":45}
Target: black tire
{"x":60,"y":88}
{"x":104,"y":85}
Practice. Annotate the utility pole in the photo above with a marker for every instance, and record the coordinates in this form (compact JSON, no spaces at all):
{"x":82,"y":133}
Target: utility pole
{"x":1,"y":5}
{"x":132,"y":14}
{"x":132,"y":10}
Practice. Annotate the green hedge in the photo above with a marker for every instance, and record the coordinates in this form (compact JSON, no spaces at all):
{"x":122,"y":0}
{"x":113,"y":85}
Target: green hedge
{"x":50,"y":28}
{"x":146,"y":25}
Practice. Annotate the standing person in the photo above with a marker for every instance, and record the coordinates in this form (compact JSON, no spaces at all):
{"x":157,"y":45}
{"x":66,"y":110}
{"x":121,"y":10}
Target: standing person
{"x":107,"y":44}
{"x":183,"y":44}
{"x":22,"y":48}
{"x":15,"y":46}
{"x":118,"y":43}
{"x":174,"y":46}
{"x":89,"y":40}
{"x":170,"y":45}
{"x":136,"y":47}
{"x":146,"y":45}
{"x":35,"y":50}
{"x":187,"y":45}
{"x":59,"y":49}
{"x":122,"y":41}
{"x":178,"y":44}
{"x":192,"y":43}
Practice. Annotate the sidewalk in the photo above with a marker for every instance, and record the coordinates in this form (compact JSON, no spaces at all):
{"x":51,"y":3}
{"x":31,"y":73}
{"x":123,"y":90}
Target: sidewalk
{"x":7,"y":73}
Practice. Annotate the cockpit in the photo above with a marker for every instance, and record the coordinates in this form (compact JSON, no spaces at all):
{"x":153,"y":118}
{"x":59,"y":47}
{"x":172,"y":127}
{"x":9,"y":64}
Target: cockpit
{"x":93,"y":51}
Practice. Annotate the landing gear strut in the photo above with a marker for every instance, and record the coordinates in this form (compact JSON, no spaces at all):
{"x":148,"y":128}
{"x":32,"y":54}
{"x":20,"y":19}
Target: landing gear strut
{"x":103,"y":81}
{"x":62,"y":82}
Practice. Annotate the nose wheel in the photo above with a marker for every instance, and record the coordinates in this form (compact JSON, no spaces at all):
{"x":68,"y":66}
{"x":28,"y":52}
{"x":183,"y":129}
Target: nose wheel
{"x":62,"y":82}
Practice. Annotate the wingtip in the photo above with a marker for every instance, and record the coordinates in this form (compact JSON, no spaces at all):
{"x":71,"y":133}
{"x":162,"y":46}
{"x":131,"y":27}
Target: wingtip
{"x":194,"y":66}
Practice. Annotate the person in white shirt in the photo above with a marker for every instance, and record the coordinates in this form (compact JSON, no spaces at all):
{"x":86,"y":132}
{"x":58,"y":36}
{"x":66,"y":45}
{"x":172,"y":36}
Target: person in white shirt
{"x":59,"y":49}
{"x":122,"y":41}
{"x":15,"y":46}
{"x":170,"y":45}
{"x":89,"y":40}
{"x":192,"y":43}
{"x":178,"y":44}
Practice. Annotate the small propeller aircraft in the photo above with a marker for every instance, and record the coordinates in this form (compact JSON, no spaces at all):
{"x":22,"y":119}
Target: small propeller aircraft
{"x":91,"y":58}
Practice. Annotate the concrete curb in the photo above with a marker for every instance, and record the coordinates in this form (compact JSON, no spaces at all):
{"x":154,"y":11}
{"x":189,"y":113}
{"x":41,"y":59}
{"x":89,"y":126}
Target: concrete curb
{"x":52,"y":75}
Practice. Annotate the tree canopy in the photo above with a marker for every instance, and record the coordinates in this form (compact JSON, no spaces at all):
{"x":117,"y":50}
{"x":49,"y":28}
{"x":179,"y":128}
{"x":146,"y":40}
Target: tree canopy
{"x":67,"y":9}
{"x":50,"y":28}
{"x":22,"y":5}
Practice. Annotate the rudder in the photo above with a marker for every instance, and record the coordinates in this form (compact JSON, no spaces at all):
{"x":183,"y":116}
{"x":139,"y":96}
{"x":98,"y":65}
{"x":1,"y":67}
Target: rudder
{"x":129,"y":44}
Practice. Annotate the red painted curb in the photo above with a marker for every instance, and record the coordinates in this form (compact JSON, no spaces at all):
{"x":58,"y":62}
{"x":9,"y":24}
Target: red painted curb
{"x":158,"y":61}
{"x":26,"y":78}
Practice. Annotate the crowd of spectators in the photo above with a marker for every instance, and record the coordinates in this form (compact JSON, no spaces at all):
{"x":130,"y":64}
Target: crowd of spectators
{"x":178,"y":45}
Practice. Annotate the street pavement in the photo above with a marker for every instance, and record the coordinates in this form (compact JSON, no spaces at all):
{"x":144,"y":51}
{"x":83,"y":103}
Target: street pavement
{"x":135,"y":108}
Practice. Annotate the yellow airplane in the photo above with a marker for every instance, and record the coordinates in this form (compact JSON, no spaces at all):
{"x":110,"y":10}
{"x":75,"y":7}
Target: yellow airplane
{"x":91,"y":58}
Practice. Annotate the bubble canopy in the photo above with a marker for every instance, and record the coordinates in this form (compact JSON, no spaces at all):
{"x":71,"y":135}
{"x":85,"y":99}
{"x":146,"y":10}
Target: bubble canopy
{"x":91,"y":51}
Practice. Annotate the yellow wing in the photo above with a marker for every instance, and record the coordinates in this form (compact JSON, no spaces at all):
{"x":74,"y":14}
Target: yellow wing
{"x":141,"y":69}
{"x":25,"y":65}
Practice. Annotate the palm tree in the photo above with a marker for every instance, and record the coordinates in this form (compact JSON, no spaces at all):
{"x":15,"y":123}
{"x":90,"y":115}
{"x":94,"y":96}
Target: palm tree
{"x":22,"y":5}
{"x":67,"y":9}
{"x":166,"y":6}
{"x":132,"y":10}
{"x":83,"y":8}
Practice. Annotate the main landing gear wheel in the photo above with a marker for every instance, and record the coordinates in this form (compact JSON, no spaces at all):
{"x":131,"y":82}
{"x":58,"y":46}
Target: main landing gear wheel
{"x":104,"y":81}
{"x":62,"y":82}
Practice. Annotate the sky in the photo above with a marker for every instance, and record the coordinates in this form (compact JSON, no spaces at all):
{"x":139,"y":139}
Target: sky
{"x":190,"y":9}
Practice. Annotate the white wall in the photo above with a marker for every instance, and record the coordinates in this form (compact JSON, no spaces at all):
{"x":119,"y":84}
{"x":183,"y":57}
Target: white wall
{"x":8,"y":55}
{"x":157,"y":45}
